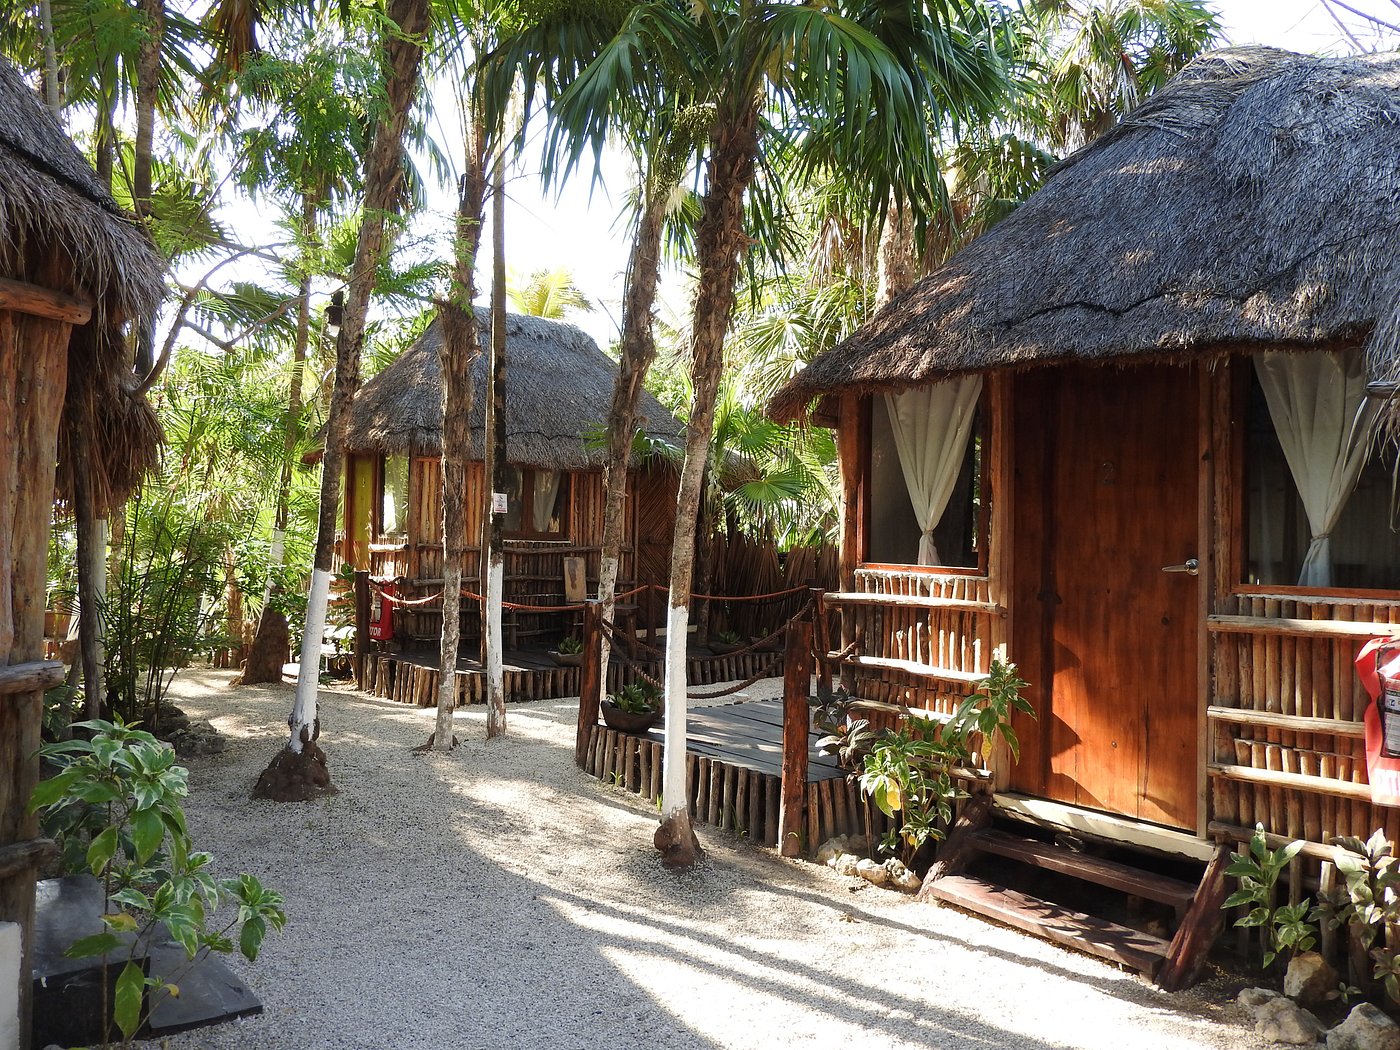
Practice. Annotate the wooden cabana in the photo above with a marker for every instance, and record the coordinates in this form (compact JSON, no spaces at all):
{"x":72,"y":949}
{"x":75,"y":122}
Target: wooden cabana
{"x":558,"y":386}
{"x":1136,"y":438}
{"x":77,"y":279}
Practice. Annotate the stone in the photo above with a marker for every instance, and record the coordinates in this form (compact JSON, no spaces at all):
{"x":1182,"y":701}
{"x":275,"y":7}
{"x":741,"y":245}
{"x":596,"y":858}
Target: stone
{"x":902,"y":878}
{"x":873,"y":872}
{"x":1253,"y":998}
{"x":1284,"y":1021}
{"x":831,"y":849}
{"x":1366,"y":1028}
{"x":846,"y":864}
{"x":1310,"y":980}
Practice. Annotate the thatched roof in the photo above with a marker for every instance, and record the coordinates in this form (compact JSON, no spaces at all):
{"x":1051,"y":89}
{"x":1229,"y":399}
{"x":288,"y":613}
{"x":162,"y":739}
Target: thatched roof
{"x":60,"y":229}
{"x":558,"y":386}
{"x":1253,"y":202}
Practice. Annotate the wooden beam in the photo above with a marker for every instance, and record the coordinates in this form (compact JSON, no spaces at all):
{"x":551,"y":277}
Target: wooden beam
{"x":37,"y":675}
{"x":1236,"y":833}
{"x":43,"y":302}
{"x":914,"y":601}
{"x":1280,"y":625}
{"x":590,"y":682}
{"x":797,"y":728}
{"x":1294,"y":723}
{"x":1202,"y":925}
{"x":1293,"y":781}
{"x":21,"y":856}
{"x":941,"y":674}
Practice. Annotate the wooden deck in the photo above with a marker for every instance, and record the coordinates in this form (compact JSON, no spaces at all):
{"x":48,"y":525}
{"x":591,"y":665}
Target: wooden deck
{"x":734,"y":774}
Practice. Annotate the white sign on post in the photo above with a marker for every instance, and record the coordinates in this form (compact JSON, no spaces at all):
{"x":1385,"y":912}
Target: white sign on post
{"x":498,"y":503}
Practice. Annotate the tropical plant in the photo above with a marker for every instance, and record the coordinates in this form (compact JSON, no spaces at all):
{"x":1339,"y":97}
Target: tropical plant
{"x":1366,"y":905}
{"x":548,"y":293}
{"x":1258,"y":869}
{"x":569,"y":645}
{"x":115,"y":808}
{"x":636,"y":698}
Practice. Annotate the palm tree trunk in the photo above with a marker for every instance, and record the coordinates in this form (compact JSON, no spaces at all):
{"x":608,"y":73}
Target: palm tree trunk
{"x":496,"y":434}
{"x":460,"y":347}
{"x":899,"y":261}
{"x":52,"y":98}
{"x":638,"y":350}
{"x":720,"y":242}
{"x":147,"y":89}
{"x":383,"y":178}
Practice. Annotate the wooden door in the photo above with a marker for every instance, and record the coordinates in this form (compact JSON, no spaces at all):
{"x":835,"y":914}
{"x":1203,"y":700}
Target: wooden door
{"x":1106,"y":495}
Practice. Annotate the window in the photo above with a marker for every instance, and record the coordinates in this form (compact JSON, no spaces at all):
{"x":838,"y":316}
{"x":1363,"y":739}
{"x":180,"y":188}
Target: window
{"x":536,"y":503}
{"x":934,"y":437}
{"x":393,"y":507}
{"x":1310,"y":427}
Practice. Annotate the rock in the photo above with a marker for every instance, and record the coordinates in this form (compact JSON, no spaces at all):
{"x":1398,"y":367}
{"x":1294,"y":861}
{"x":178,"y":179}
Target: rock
{"x":1284,"y":1021}
{"x":846,"y":864}
{"x":873,"y":872}
{"x":1310,"y":980}
{"x":902,"y":878}
{"x":831,"y":849}
{"x":1366,"y":1028}
{"x":1253,"y":998}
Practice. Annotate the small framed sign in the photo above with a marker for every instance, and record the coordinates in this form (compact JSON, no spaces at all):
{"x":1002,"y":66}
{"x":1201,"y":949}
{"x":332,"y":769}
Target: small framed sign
{"x":498,"y":503}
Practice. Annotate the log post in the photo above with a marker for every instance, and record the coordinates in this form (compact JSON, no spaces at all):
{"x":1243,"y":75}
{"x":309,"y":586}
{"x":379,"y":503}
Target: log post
{"x":797,"y":722}
{"x":362,"y":607}
{"x":590,"y":685}
{"x":822,"y":638}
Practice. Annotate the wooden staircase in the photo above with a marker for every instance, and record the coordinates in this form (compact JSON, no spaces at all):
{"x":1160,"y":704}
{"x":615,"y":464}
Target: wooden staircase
{"x":992,"y":868}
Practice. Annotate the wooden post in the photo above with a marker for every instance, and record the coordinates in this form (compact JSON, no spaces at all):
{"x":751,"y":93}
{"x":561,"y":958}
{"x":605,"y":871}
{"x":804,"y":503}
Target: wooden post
{"x":362,"y":606}
{"x":822,"y":638}
{"x":797,"y":722}
{"x":590,"y":685}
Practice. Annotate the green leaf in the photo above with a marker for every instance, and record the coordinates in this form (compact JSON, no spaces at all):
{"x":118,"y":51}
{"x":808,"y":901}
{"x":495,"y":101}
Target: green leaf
{"x":126,"y":1010}
{"x":101,"y":851}
{"x":147,"y":833}
{"x":52,"y":790}
{"x":1240,"y":897}
{"x":250,"y":938}
{"x":97,"y":944}
{"x":122,"y":921}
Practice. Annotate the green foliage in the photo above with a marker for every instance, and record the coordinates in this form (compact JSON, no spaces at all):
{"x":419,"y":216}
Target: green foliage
{"x":570,"y":645}
{"x":1367,"y":904}
{"x":1258,"y":870}
{"x":909,"y":771}
{"x":848,"y":738}
{"x":115,"y":807}
{"x":637,"y":698}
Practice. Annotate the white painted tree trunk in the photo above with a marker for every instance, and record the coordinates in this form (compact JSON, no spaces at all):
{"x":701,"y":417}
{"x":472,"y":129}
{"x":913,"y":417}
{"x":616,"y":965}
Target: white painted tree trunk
{"x":607,"y":595}
{"x":275,"y":555}
{"x":447,"y":652}
{"x":673,"y":793}
{"x":309,"y":671}
{"x":495,"y":666}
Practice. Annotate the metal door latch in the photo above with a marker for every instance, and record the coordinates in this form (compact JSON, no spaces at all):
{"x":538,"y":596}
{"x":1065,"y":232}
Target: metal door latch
{"x":1191,"y":566}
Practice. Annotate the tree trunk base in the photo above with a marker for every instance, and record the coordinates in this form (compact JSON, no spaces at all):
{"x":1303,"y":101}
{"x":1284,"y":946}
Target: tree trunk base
{"x":676,"y":842}
{"x":292,"y":777}
{"x":431,"y":745}
{"x":268,"y":652}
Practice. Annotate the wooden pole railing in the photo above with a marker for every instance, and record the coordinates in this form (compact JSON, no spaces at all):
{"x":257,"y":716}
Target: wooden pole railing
{"x":590,"y":683}
{"x":362,"y":609}
{"x":797,"y":721}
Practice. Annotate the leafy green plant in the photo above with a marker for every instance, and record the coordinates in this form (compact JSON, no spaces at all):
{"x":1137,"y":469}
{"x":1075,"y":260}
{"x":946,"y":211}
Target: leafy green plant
{"x":1258,"y":869}
{"x":570,"y":646}
{"x":1365,"y":904}
{"x":115,"y":809}
{"x":637,"y":698}
{"x":909,"y":771}
{"x":849,"y":739}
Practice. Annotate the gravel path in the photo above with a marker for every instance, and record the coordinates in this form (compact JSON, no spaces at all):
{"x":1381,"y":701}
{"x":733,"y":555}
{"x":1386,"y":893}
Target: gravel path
{"x":497,"y":897}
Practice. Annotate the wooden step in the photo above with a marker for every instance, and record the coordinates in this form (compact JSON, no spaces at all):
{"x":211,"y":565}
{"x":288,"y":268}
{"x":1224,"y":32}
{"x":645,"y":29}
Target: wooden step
{"x":1110,"y":873}
{"x":1086,"y":933}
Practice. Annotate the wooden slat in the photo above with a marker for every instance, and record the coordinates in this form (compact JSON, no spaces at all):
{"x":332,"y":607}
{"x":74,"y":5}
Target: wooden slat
{"x":1272,"y":778}
{"x":29,"y":677}
{"x":1088,"y":867}
{"x":1237,"y":833}
{"x":1198,"y":931}
{"x":1086,"y":933}
{"x":913,"y":601}
{"x":1295,"y":723}
{"x":42,"y":302}
{"x":941,"y":674}
{"x":19,"y":856}
{"x":1286,"y":626}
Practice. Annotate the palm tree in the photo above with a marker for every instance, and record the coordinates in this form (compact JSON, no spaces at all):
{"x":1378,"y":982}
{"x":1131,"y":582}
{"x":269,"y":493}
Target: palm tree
{"x":861,"y":89}
{"x":548,"y":293}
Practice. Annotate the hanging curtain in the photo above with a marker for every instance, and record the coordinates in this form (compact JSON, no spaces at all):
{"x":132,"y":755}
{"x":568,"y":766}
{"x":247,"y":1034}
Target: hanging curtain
{"x":545,"y":485}
{"x":1325,"y":423}
{"x":932,"y":425}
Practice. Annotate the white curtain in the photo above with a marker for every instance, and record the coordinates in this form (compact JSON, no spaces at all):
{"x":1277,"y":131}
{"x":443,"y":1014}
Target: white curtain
{"x":932,"y":425}
{"x":546,"y":491}
{"x":1325,"y":423}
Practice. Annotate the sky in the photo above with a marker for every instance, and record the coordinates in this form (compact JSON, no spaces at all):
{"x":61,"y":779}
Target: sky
{"x":580,"y":230}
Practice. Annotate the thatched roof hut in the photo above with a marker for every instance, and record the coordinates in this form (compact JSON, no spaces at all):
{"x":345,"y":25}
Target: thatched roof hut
{"x":558,"y":384}
{"x":1252,"y":201}
{"x":61,"y":230}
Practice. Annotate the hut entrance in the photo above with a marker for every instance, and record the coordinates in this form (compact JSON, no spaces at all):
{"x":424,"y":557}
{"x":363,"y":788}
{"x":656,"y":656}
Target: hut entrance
{"x":1106,"y":494}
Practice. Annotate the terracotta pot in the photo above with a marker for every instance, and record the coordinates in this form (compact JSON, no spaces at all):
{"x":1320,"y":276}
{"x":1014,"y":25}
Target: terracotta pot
{"x":616,"y":718}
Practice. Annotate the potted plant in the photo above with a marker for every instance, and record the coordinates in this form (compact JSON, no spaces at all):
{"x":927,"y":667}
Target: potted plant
{"x":725,"y":642}
{"x":568,"y":653}
{"x":634,"y":708}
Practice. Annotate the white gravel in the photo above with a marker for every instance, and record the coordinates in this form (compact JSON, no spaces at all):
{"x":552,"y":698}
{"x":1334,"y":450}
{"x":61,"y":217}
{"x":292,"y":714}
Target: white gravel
{"x":497,"y":897}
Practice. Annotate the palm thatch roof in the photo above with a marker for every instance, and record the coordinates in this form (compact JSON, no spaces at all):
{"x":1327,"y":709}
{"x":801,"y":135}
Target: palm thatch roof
{"x":61,"y":230}
{"x":1251,"y":203}
{"x":558,"y":387}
